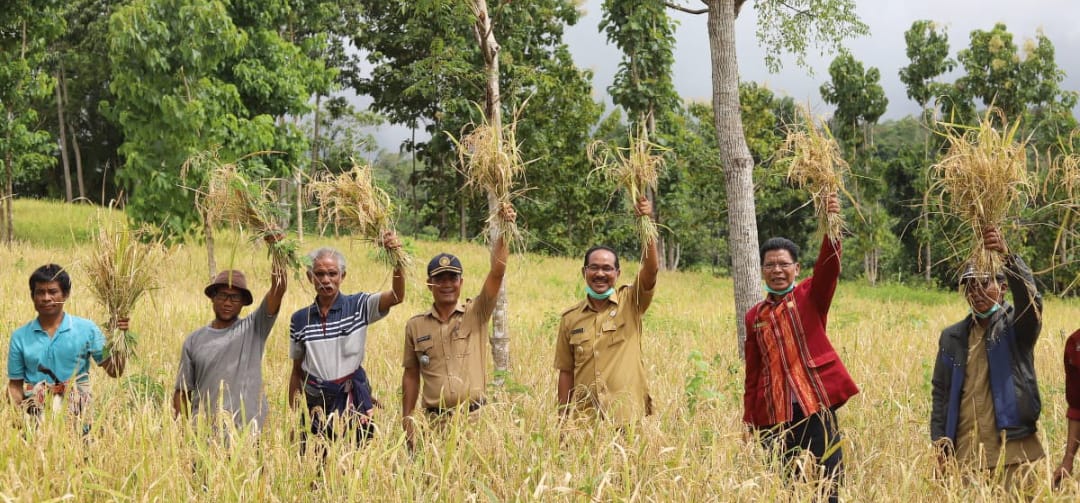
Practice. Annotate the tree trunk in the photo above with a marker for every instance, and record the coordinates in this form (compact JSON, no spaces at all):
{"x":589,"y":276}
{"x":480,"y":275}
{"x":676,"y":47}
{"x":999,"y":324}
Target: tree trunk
{"x":74,"y":134}
{"x":63,"y":138}
{"x":211,"y":263}
{"x":738,"y":164}
{"x":314,"y":169}
{"x":9,"y":182}
{"x":489,"y":48}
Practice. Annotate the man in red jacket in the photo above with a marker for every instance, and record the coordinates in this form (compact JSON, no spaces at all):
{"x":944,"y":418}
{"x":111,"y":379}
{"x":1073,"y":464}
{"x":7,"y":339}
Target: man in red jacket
{"x":794,"y":378}
{"x":1072,"y":398}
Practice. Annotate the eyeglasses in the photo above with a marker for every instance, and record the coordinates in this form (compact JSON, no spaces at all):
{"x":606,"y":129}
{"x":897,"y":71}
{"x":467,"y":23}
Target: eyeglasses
{"x":775,"y":266}
{"x":234,"y":297}
{"x":606,"y":269}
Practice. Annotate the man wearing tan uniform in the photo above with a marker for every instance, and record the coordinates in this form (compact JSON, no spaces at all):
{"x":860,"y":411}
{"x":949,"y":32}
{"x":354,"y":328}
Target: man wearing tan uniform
{"x":444,"y":347}
{"x":598,"y":350}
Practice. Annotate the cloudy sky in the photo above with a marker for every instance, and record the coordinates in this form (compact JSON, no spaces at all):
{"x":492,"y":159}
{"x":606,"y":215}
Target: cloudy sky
{"x":884,"y":48}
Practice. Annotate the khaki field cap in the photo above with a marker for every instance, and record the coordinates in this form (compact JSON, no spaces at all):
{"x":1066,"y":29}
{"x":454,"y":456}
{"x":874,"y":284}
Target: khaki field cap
{"x":231,"y":278}
{"x":443,"y":262}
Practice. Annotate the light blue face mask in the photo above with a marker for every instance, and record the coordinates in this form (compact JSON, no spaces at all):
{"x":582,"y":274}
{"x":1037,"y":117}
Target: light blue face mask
{"x":781,"y":293}
{"x":599,"y":296}
{"x":983,"y":316}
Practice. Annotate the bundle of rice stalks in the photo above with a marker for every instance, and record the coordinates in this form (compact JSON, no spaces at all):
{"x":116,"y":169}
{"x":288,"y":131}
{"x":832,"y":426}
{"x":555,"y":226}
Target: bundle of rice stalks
{"x":120,"y":270}
{"x":981,"y":180}
{"x":352,"y":201}
{"x":635,"y":168}
{"x":230,"y":198}
{"x":491,"y":161}
{"x":816,"y":164}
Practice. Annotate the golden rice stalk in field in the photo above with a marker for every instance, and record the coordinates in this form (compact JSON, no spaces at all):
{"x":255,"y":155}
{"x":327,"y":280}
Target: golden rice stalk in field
{"x":982,"y":180}
{"x":491,"y":161}
{"x":352,"y":201}
{"x":635,"y":168}
{"x":230,"y":198}
{"x":816,"y":164}
{"x":122,"y":267}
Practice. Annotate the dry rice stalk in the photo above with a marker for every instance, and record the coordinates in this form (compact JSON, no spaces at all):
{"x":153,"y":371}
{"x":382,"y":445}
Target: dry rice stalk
{"x":352,"y":201}
{"x":982,"y":179}
{"x":121,"y":269}
{"x":230,"y":198}
{"x":491,"y":161}
{"x":635,"y":168}
{"x":817,"y":165}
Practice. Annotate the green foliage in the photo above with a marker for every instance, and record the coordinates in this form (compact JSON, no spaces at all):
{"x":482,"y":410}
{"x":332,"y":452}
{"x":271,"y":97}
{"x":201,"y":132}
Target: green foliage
{"x":928,"y":50}
{"x":27,"y":27}
{"x":699,"y":389}
{"x":194,"y":75}
{"x":795,"y":26}
{"x":643,"y":32}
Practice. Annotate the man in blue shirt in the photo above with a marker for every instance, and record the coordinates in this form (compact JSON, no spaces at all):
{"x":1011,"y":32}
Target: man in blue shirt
{"x":53,"y":351}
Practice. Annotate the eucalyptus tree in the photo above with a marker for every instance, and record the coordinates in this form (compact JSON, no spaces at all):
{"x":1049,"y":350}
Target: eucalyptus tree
{"x":784,"y":26}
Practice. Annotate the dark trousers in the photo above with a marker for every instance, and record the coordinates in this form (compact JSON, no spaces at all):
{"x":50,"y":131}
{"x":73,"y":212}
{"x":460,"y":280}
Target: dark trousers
{"x":818,"y":434}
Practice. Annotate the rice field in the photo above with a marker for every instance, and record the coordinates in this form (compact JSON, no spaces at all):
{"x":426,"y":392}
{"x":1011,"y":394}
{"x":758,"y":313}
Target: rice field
{"x":516,"y":450}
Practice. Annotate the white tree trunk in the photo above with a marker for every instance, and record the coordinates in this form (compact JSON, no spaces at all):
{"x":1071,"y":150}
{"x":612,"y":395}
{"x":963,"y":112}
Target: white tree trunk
{"x":489,"y":47}
{"x":738,"y":164}
{"x":74,"y":134}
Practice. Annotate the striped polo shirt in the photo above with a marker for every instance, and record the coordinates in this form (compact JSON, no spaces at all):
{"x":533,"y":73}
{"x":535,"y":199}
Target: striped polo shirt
{"x":333,"y":347}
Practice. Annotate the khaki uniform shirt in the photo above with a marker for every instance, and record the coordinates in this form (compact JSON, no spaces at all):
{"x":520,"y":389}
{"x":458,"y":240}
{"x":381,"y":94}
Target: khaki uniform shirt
{"x":978,"y":441}
{"x":603,"y":349}
{"x":455,"y":371}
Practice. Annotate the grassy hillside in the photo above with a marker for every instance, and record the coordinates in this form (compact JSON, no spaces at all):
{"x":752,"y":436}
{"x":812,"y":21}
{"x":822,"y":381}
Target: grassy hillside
{"x":886,"y":336}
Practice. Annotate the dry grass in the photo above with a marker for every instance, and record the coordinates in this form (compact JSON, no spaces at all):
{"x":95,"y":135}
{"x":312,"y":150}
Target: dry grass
{"x":635,"y":168}
{"x":230,"y":198}
{"x":887,"y":338}
{"x":491,"y":161}
{"x":816,"y":164}
{"x":351,"y":201}
{"x":120,"y":270}
{"x":983,"y":180}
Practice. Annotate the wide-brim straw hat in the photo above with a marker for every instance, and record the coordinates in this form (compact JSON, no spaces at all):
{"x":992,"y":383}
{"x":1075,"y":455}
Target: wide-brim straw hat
{"x":232,"y":279}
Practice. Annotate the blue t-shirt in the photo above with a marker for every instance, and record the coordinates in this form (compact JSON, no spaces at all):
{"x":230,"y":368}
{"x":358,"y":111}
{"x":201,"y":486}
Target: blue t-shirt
{"x":66,"y":354}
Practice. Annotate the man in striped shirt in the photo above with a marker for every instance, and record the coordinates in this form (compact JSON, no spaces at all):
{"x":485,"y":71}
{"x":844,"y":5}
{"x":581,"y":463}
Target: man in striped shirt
{"x":327,"y":341}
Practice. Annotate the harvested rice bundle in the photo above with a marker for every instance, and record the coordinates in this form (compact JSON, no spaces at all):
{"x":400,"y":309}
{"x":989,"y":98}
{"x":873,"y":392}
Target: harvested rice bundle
{"x":982,"y":180}
{"x":491,"y":161}
{"x":230,"y":198}
{"x":816,"y":164}
{"x":635,"y":168}
{"x":352,"y":201}
{"x":120,"y":270}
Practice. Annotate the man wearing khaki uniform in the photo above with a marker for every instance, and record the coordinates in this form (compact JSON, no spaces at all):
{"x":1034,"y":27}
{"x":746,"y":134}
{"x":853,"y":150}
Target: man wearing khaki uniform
{"x":444,"y":347}
{"x":598,"y":350}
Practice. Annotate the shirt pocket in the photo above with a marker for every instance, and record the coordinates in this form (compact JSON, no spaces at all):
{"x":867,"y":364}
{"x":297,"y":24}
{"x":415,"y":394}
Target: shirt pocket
{"x":581,"y":344}
{"x":614,"y":331}
{"x":426,"y":347}
{"x":459,"y":342}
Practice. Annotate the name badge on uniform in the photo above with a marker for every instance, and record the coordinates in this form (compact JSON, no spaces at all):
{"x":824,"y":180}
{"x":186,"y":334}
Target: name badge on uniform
{"x":577,"y":331}
{"x":423,"y":339}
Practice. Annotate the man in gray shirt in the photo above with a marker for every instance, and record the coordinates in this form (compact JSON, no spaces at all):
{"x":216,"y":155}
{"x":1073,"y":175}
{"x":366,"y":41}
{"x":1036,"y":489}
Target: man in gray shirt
{"x":221,"y":363}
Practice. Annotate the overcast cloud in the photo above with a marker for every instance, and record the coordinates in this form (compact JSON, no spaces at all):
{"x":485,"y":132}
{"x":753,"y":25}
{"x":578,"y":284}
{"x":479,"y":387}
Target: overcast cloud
{"x":884,"y":48}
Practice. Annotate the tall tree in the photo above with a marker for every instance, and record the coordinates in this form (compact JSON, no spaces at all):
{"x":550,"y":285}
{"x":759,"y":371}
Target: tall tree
{"x":643,"y":32}
{"x":783,"y":26}
{"x":928,"y":51}
{"x":27,"y":27}
{"x":860,"y":101}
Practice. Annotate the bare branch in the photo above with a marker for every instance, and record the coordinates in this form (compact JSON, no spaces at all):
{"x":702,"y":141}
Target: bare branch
{"x":687,"y":10}
{"x":798,"y":11}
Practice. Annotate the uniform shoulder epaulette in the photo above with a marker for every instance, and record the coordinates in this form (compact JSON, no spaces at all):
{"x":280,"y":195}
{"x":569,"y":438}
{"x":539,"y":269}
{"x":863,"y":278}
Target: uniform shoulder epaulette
{"x":574,"y":307}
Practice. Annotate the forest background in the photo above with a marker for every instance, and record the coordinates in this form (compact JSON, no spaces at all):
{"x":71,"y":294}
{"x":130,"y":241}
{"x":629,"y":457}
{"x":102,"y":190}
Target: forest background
{"x":105,"y":100}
